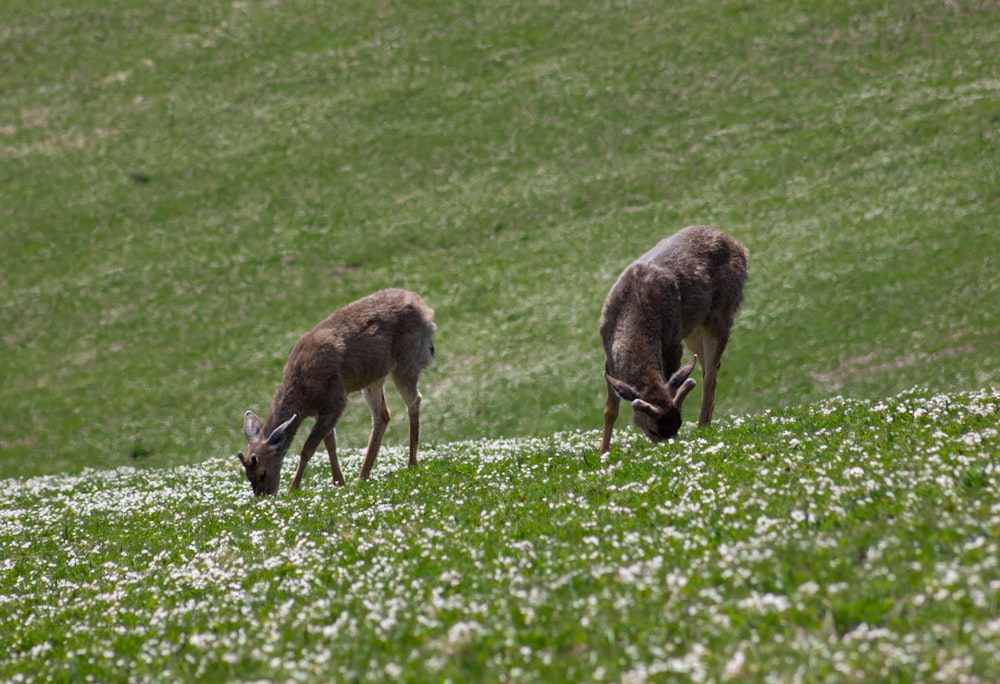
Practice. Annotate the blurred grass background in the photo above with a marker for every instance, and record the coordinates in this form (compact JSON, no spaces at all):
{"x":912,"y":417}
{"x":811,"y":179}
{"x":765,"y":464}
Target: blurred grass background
{"x":187,"y":187}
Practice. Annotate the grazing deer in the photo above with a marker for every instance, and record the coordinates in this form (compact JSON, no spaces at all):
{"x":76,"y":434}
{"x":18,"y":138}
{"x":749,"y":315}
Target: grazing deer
{"x":688,"y":287}
{"x":386,"y":333}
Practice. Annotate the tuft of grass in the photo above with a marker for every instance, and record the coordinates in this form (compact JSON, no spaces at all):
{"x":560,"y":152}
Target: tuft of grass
{"x":849,"y":539}
{"x":188,"y":189}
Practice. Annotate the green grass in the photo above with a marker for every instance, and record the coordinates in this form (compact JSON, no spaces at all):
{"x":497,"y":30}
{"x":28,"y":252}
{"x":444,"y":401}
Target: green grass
{"x":840,"y":541}
{"x":187,"y":187}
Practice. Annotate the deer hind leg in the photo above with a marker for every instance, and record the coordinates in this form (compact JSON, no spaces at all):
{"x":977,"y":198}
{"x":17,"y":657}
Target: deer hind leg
{"x":331,"y":448}
{"x":699,"y":345}
{"x":694,"y":343}
{"x":375,"y":397}
{"x":407,"y":387}
{"x":712,"y":346}
{"x":610,"y":416}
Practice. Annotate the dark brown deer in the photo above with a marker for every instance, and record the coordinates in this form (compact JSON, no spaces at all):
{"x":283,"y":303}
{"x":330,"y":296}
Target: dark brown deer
{"x":688,"y":287}
{"x":388,"y":333}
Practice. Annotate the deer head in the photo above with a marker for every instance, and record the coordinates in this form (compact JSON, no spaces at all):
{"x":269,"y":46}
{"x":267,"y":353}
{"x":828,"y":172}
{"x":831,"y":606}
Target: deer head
{"x":266,"y":452}
{"x":658,"y":413}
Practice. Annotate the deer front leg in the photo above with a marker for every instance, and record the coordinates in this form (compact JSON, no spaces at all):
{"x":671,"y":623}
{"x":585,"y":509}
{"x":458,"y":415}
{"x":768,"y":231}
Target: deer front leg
{"x":610,"y":416}
{"x":331,"y":448}
{"x":324,"y":424}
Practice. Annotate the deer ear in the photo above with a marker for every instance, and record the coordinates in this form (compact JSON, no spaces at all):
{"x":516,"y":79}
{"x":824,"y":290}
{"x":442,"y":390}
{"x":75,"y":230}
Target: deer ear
{"x":279,"y":432}
{"x":626,"y":392}
{"x":251,"y":426}
{"x":683,"y":392}
{"x":243,"y":459}
{"x":680,"y":376}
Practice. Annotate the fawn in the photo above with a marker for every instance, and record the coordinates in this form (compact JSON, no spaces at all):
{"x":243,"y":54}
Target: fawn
{"x":386,"y":333}
{"x":688,"y":287}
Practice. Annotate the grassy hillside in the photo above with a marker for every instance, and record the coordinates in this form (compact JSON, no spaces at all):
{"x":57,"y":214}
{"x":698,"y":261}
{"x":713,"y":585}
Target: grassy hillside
{"x":189,"y":186}
{"x":841,"y":541}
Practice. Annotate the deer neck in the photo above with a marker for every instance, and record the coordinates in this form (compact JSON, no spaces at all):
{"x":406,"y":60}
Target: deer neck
{"x":638,"y":361}
{"x":638,"y":325}
{"x":283,"y":408}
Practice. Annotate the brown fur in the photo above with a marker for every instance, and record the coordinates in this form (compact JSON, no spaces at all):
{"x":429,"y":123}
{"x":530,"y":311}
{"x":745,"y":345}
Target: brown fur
{"x":386,"y":333}
{"x":688,"y":287}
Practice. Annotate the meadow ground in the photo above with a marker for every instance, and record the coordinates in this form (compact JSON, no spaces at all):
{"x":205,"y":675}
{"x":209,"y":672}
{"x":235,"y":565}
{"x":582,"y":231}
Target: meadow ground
{"x":841,"y":541}
{"x":188,"y":188}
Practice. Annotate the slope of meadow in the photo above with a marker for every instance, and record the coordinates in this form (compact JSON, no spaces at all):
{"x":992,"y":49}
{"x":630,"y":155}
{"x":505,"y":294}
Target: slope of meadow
{"x":187,"y":187}
{"x":842,"y":541}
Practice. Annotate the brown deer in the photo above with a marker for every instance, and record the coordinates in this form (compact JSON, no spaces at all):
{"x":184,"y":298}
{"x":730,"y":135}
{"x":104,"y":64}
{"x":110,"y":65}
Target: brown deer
{"x":386,"y":333}
{"x":688,"y":287}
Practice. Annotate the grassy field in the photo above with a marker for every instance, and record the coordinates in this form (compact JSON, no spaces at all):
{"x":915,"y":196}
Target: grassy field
{"x":189,"y":186}
{"x":186,"y":187}
{"x":844,"y":541}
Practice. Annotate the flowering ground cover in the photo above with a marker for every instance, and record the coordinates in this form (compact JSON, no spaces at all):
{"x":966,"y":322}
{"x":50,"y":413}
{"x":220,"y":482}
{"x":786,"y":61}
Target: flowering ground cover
{"x":846,"y":540}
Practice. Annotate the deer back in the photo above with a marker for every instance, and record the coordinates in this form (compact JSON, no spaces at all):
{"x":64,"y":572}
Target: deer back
{"x":385,"y":332}
{"x":700,"y":276}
